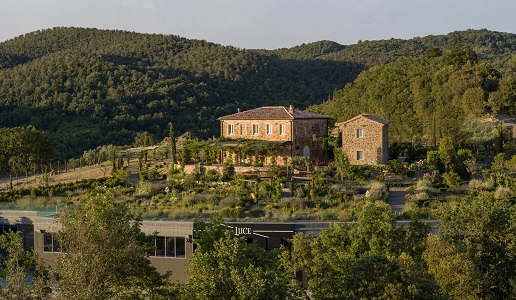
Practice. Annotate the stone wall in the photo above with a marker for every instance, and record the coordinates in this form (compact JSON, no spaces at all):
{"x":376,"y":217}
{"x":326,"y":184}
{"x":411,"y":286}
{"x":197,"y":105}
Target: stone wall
{"x":304,"y":133}
{"x":370,"y":149}
{"x":307,"y":134}
{"x":219,"y":168}
{"x":243,"y":129}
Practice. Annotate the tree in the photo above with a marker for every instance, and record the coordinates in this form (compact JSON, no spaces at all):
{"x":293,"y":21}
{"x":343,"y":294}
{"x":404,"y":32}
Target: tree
{"x":17,"y":266}
{"x":24,"y":148}
{"x":341,"y":162}
{"x":227,"y":267}
{"x":173,"y":148}
{"x":371,"y":259}
{"x":105,"y":253}
{"x":144,"y":139}
{"x":452,"y":179}
{"x":473,"y":257}
{"x":499,"y":163}
{"x":447,"y":153}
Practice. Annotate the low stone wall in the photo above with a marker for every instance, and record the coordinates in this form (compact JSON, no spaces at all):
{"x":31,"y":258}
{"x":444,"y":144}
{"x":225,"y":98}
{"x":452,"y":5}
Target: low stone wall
{"x":218,"y":168}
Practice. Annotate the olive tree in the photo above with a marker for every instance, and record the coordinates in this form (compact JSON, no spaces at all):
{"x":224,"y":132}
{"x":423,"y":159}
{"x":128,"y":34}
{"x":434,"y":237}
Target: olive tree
{"x":23,"y":271}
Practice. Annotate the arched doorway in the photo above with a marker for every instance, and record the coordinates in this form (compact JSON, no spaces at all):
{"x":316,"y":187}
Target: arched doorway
{"x":306,"y":151}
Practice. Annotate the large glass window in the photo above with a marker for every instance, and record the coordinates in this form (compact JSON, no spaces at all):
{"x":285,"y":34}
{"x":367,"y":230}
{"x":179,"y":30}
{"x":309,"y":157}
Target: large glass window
{"x":6,"y":228}
{"x":180,"y":247}
{"x":160,"y":246}
{"x":168,"y":246}
{"x":171,"y":247}
{"x":50,"y":243}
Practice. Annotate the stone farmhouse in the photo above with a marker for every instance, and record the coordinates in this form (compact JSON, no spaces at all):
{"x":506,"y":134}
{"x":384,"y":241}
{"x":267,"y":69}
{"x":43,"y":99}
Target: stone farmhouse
{"x":365,"y":139}
{"x":295,"y":132}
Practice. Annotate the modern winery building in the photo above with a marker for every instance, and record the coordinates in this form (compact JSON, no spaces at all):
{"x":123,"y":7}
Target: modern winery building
{"x":173,"y":239}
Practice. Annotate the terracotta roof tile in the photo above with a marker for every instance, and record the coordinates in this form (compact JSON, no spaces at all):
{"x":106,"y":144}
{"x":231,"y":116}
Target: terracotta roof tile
{"x":368,"y":116}
{"x":273,"y":113}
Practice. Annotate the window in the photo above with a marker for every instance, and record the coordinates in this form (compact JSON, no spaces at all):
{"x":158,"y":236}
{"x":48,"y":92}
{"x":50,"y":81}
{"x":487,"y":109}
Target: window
{"x":180,"y":247}
{"x":297,"y":130}
{"x":360,"y":155}
{"x":269,"y":129}
{"x":6,"y":228}
{"x":50,"y":243}
{"x":282,"y":129}
{"x":230,"y":129}
{"x":322,"y":129}
{"x":360,"y":133}
{"x":160,"y":246}
{"x":241,"y":129}
{"x":168,"y":246}
{"x":255,"y":129}
{"x":306,"y":130}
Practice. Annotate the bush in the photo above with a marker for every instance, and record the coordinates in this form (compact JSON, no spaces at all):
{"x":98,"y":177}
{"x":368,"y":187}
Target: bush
{"x":235,"y":212}
{"x":377,"y":191}
{"x":211,"y":175}
{"x":228,"y":202}
{"x":452,"y":179}
{"x":292,"y":203}
{"x":502,"y":192}
{"x":300,"y":192}
{"x":191,"y":200}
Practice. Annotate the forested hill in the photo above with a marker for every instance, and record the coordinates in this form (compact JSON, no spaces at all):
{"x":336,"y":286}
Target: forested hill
{"x":495,"y":47}
{"x":441,"y":94}
{"x":89,"y":87}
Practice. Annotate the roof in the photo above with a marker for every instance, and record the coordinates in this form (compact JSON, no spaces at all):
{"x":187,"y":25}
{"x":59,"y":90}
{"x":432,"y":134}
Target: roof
{"x":367,"y":116}
{"x":273,"y":113}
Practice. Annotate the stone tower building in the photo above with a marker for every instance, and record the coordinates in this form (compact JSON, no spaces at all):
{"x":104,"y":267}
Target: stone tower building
{"x":365,"y":139}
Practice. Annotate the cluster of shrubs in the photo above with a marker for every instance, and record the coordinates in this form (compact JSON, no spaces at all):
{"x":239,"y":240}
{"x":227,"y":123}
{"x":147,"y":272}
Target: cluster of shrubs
{"x":54,"y":190}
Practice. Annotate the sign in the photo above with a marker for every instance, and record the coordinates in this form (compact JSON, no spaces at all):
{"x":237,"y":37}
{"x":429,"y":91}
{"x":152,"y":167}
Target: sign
{"x":243,"y":230}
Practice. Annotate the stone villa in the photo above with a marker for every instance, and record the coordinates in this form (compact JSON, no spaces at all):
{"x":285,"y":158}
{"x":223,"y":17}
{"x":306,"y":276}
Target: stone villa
{"x":296,"y":132}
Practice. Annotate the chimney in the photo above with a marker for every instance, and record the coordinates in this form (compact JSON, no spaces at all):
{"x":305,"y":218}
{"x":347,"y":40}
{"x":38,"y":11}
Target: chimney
{"x":291,"y":109}
{"x":238,"y":110}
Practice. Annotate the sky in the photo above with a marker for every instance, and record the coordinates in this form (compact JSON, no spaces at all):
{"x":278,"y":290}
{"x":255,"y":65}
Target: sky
{"x":263,"y":24}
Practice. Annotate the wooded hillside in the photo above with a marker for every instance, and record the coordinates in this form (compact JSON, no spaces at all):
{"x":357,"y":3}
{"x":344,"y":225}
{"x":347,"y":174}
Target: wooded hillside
{"x":90,"y":87}
{"x":441,"y":94}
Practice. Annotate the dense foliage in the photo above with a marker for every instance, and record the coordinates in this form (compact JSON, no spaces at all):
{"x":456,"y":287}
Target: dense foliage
{"x":90,"y":87}
{"x":495,"y":47}
{"x":24,"y":149}
{"x":371,"y":259}
{"x":430,"y":97}
{"x":105,"y":253}
{"x":228,"y":267}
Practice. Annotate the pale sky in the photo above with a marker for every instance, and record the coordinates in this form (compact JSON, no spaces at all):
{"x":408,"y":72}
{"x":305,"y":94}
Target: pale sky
{"x":268,"y":24}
